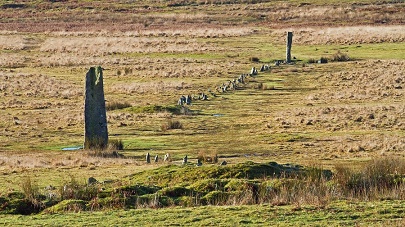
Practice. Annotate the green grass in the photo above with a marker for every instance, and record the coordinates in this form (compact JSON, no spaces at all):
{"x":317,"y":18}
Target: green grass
{"x":267,"y":52}
{"x":355,"y":51}
{"x":339,"y":213}
{"x":188,"y":185}
{"x":144,"y":143}
{"x":154,"y":109}
{"x":254,"y":124}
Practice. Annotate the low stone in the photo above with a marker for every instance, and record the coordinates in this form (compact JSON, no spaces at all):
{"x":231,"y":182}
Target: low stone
{"x":91,"y":181}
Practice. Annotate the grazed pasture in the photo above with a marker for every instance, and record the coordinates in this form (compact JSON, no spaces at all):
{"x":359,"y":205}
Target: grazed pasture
{"x":342,"y":113}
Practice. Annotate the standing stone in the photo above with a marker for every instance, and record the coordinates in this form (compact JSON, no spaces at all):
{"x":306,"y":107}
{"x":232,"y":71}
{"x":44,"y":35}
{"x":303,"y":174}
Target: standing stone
{"x":184,"y":160}
{"x":188,"y":100}
{"x":253,"y":72}
{"x":289,"y":44}
{"x":166,"y":158}
{"x":95,"y":119}
{"x":262,"y":68}
{"x":148,"y":158}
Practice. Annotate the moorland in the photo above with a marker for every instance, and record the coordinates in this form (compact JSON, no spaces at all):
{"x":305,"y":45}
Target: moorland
{"x":305,"y":143}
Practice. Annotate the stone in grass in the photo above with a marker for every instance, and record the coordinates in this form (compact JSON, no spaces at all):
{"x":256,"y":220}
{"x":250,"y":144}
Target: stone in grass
{"x":91,"y":181}
{"x":166,"y":157}
{"x":148,"y":158}
{"x":185,"y":160}
{"x":95,"y":120}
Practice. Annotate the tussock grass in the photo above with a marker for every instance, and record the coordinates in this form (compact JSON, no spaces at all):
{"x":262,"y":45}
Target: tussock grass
{"x":208,"y":157}
{"x":116,"y":105}
{"x":379,"y":179}
{"x":110,"y":153}
{"x":343,"y":35}
{"x":254,"y":59}
{"x":249,"y":13}
{"x":337,"y":113}
{"x":171,"y":124}
{"x":115,"y":144}
{"x":30,"y":190}
{"x":155,"y":109}
{"x":339,"y":56}
{"x":242,"y":184}
{"x":312,"y":60}
{"x":95,"y":144}
{"x":76,"y":190}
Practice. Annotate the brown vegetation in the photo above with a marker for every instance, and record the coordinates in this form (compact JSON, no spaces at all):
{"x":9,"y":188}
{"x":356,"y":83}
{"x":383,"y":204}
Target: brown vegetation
{"x":343,"y":112}
{"x":171,"y":124}
{"x":157,"y":15}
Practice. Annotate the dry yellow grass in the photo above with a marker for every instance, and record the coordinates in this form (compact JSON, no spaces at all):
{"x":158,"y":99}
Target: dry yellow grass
{"x":345,"y":35}
{"x":340,"y":112}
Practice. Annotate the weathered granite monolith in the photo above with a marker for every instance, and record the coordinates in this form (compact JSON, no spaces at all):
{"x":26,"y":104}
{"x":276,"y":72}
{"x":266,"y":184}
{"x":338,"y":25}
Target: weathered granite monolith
{"x":289,"y":44}
{"x":95,"y":119}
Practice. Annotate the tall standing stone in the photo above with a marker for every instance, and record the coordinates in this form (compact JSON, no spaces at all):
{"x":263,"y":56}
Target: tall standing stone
{"x":289,"y":44}
{"x":95,"y":119}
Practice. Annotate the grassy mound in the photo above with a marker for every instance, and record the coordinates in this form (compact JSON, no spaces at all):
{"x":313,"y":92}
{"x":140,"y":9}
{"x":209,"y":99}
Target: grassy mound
{"x":172,"y":174}
{"x":189,"y":185}
{"x":169,"y":185}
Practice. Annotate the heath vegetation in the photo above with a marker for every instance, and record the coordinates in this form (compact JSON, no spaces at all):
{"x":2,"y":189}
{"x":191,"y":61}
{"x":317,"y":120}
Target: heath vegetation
{"x":303,"y":143}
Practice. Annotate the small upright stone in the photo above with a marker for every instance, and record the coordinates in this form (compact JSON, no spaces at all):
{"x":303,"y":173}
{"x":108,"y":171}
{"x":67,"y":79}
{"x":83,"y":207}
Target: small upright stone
{"x":148,"y":158}
{"x":184,"y":160}
{"x":182,"y":100}
{"x":253,"y":72}
{"x":91,"y":181}
{"x":166,"y":158}
{"x":188,"y":100}
{"x":262,"y":69}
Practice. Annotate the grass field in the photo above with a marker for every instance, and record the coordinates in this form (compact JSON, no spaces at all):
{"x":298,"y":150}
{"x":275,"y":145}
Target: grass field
{"x":338,"y":213}
{"x":341,"y":116}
